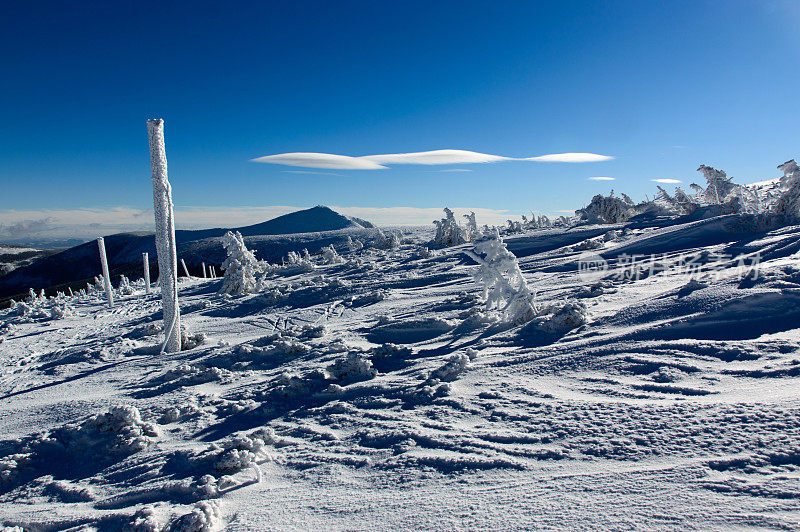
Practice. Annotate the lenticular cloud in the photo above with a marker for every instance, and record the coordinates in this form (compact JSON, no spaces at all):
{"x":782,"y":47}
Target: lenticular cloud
{"x":434,"y":157}
{"x":320,"y":160}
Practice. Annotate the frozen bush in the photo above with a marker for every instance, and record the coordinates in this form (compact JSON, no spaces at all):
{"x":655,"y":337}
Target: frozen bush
{"x":788,"y":204}
{"x":607,"y":210}
{"x":388,"y":240}
{"x":354,"y":245}
{"x":241,"y":266}
{"x":455,"y":366}
{"x":562,"y":317}
{"x":204,"y":517}
{"x":296,"y":261}
{"x":329,"y":255}
{"x":679,"y":204}
{"x":449,"y":233}
{"x":144,"y":520}
{"x":504,"y":287}
{"x":719,"y":185}
{"x":352,"y":368}
{"x":125,"y":287}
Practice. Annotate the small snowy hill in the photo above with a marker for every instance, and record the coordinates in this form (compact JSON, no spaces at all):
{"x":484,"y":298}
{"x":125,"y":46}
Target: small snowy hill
{"x":80,"y":263}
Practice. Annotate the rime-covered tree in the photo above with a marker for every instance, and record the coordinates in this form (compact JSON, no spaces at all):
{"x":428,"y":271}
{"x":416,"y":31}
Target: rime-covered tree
{"x":504,"y":287}
{"x":241,"y":266}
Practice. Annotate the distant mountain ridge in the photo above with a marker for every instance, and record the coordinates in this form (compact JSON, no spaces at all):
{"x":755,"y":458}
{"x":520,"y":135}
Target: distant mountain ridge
{"x":124,"y":250}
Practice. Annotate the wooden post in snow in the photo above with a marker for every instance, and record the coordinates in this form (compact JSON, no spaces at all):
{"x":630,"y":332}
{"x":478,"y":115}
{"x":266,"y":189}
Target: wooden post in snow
{"x":185,"y":270}
{"x":146,"y":267}
{"x":166,"y":248}
{"x":204,"y":271}
{"x":106,"y":278}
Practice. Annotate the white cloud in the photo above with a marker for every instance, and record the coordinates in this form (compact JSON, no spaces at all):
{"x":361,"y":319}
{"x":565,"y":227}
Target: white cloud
{"x":435,"y":157}
{"x":308,"y":172}
{"x":669,"y":181}
{"x":570,"y":158}
{"x":601,"y":178}
{"x":375,"y":162}
{"x":320,"y":160}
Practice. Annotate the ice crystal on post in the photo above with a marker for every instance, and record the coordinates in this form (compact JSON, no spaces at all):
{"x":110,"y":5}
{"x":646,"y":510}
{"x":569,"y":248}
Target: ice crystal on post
{"x":166,"y":246}
{"x":505,"y":289}
{"x":241,"y":266}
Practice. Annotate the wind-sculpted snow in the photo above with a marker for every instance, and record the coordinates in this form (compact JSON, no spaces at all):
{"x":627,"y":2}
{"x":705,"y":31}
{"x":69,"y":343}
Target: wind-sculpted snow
{"x":392,"y":389}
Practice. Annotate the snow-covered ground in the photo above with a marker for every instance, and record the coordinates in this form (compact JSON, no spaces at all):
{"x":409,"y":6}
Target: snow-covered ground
{"x":377,"y":394}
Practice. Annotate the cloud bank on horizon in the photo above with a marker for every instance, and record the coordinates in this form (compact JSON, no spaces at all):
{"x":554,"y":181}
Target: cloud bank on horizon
{"x":434,"y":157}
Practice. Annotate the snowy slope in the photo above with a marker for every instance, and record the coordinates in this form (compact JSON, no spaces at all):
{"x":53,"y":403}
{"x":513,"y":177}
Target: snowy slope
{"x":375,"y":394}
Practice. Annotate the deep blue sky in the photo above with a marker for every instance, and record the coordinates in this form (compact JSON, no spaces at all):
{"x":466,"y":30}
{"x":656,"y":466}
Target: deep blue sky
{"x":662,"y":86}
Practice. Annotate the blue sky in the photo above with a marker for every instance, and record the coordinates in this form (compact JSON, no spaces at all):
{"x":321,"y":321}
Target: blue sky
{"x":660,"y":86}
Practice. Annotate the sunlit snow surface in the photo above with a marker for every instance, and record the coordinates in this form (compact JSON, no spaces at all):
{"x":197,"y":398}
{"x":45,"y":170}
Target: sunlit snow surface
{"x":373,"y":395}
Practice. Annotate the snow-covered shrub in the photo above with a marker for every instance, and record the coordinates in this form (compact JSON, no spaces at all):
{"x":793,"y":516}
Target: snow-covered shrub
{"x":99,"y":439}
{"x":329,"y":255}
{"x":788,"y":204}
{"x":297,"y":262}
{"x":388,"y":240}
{"x":514,"y":227}
{"x":125,"y":287}
{"x":450,"y":233}
{"x":719,"y":186}
{"x":144,"y":520}
{"x":352,"y":368}
{"x":470,"y":229}
{"x":241,"y":266}
{"x":590,"y":243}
{"x":450,"y":371}
{"x":354,"y":245}
{"x":204,"y":517}
{"x":504,"y":287}
{"x":680,"y":204}
{"x":562,"y":317}
{"x":607,"y":209}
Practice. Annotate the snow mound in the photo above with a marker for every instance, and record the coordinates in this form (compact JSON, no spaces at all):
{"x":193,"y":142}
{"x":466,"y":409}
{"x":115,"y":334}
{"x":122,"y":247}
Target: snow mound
{"x":352,"y":368}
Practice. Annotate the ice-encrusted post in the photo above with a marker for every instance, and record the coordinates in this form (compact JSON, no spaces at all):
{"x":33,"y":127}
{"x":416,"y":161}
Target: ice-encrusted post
{"x":146,"y":266}
{"x":106,"y":278}
{"x":165,"y":237}
{"x":185,"y":269}
{"x":204,"y":271}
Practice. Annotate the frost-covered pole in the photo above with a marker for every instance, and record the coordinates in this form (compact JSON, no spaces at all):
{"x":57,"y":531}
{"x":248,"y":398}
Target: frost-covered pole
{"x":146,"y":266}
{"x":166,"y":249}
{"x":204,"y":271}
{"x":106,"y":278}
{"x":185,"y":270}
